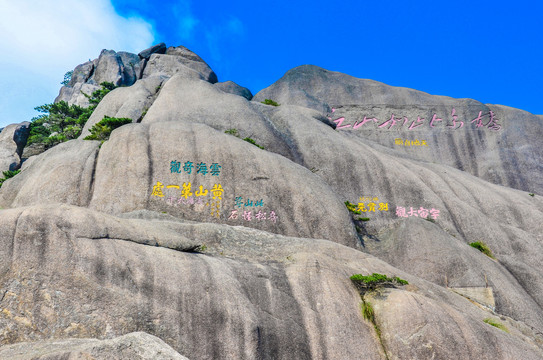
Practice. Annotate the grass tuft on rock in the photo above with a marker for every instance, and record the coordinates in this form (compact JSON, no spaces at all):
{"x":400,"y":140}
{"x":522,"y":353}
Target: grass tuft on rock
{"x":352,"y":208}
{"x":251,"y":141}
{"x":269,"y":102}
{"x":500,"y":326}
{"x":233,"y":132}
{"x":482,"y":247}
{"x":367,"y":311}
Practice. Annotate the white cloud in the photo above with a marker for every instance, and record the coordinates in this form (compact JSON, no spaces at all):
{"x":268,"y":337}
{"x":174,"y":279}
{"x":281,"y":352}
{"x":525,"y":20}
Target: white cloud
{"x":41,"y":41}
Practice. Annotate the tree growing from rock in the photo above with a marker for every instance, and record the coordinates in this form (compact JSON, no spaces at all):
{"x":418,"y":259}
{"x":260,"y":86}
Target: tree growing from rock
{"x":61,"y":121}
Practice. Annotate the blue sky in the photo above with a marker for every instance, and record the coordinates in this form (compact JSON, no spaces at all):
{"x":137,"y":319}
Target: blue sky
{"x":487,"y":50}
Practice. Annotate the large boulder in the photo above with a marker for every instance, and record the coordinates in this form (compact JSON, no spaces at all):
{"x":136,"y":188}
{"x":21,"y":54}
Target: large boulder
{"x":12,"y":142}
{"x":120,"y":68}
{"x":62,"y":174}
{"x":126,"y":102}
{"x":154,"y":156}
{"x":233,"y":88}
{"x":155,"y":49}
{"x":186,"y":100}
{"x":82,"y":73}
{"x":170,"y":65}
{"x":136,"y":346}
{"x":320,"y":89}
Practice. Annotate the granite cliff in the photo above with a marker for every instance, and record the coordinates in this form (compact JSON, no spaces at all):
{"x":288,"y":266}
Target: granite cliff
{"x":177,"y":237}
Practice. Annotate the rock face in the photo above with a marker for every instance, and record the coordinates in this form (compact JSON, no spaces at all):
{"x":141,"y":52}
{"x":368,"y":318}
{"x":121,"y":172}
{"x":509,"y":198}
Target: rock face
{"x":218,"y":224}
{"x":124,"y":69}
{"x":275,"y":297}
{"x":233,"y":88}
{"x":137,"y":346}
{"x":170,"y":65}
{"x":156,"y":49}
{"x":501,"y":147}
{"x":127,"y":102}
{"x":12,"y":142}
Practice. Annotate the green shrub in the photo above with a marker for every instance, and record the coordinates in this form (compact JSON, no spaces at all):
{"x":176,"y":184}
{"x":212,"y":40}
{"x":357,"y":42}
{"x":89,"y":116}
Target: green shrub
{"x":269,"y":102}
{"x":232,"y":132}
{"x":531,"y":194}
{"x":8,"y":175}
{"x":500,"y":326}
{"x":367,"y":311}
{"x":67,"y":78}
{"x":249,"y":140}
{"x":62,"y":122}
{"x":400,"y":281}
{"x":102,"y":129}
{"x":482,"y":247}
{"x":375,"y":279}
{"x":98,"y":95}
{"x":352,"y":208}
{"x":363,"y":219}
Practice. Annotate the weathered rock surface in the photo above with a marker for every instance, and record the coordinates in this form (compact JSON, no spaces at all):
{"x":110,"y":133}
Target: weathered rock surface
{"x":111,"y":67}
{"x":175,"y":60}
{"x":278,"y":244}
{"x":156,"y":49}
{"x":511,"y":156}
{"x":12,"y":142}
{"x":120,"y":68}
{"x":233,"y":88}
{"x":73,"y":173}
{"x":170,"y":65}
{"x":127,"y":102}
{"x":62,"y":174}
{"x":274,"y":297}
{"x":137,"y":346}
{"x":74,"y":94}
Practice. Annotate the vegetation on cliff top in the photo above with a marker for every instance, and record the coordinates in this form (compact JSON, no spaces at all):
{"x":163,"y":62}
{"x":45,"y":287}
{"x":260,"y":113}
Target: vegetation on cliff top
{"x":61,"y":122}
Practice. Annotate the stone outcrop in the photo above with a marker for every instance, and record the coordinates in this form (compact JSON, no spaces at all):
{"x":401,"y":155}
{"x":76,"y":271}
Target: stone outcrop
{"x":124,"y":69}
{"x":233,"y":88}
{"x":127,"y":102}
{"x":12,"y":142}
{"x":263,"y":295}
{"x":136,"y":346}
{"x":217,"y":224}
{"x":509,"y":156}
{"x":156,"y":49}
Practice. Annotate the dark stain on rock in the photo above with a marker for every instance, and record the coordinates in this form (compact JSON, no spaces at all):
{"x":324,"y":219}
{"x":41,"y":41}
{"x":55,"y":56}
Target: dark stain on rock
{"x":471,"y":152}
